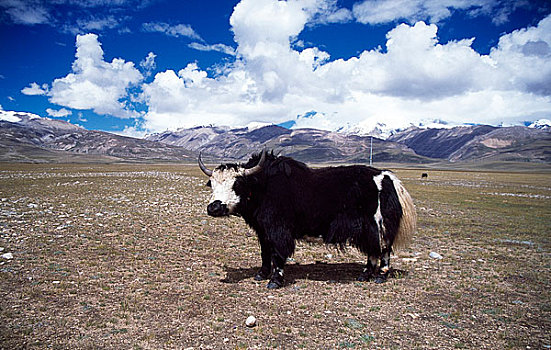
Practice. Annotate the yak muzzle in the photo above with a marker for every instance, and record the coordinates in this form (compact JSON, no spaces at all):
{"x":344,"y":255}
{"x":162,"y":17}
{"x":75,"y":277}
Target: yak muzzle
{"x":216,"y":208}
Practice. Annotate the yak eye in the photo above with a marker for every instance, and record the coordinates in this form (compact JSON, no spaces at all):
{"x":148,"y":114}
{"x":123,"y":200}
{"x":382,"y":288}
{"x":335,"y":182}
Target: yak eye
{"x":208,"y":184}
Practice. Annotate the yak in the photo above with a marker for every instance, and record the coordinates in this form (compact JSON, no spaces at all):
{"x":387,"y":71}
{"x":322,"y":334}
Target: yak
{"x":284,"y":200}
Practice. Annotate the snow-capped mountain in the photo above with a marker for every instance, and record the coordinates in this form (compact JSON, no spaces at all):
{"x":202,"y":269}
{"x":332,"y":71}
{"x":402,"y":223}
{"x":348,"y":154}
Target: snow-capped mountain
{"x":541,"y":124}
{"x":31,"y":138}
{"x":17,"y":117}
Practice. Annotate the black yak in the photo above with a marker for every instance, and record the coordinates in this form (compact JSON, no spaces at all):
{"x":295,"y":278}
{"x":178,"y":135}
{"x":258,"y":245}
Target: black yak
{"x":284,"y":200}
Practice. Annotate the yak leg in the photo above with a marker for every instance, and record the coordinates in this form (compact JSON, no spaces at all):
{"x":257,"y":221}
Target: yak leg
{"x":369,"y":271}
{"x":266,"y":254}
{"x":283,"y":246}
{"x":384,"y":268}
{"x":276,"y":281}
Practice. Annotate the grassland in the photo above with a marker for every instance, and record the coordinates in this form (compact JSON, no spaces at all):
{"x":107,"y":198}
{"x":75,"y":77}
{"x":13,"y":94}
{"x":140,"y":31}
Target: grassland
{"x":124,"y":257}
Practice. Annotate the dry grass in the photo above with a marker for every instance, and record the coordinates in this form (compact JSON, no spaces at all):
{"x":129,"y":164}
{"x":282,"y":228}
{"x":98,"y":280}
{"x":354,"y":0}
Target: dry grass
{"x":123,"y":256}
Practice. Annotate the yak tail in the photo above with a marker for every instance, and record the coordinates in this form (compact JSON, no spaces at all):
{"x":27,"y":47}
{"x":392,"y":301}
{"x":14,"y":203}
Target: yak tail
{"x":408,"y":222}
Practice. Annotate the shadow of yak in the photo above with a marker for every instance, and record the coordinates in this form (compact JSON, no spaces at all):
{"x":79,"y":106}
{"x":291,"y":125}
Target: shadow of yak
{"x":319,"y":271}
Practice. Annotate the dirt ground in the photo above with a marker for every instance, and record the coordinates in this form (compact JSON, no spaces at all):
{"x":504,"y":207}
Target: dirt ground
{"x":125,"y":257}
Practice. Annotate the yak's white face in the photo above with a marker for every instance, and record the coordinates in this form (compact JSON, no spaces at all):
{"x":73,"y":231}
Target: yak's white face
{"x":223,"y":200}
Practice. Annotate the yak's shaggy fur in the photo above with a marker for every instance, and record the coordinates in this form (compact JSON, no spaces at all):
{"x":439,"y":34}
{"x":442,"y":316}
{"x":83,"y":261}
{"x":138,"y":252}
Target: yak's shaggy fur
{"x":358,"y":205}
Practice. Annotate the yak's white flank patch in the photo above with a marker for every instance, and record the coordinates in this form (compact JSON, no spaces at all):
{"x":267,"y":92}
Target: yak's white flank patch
{"x":222,"y":187}
{"x":379,"y":181}
{"x":378,"y":216}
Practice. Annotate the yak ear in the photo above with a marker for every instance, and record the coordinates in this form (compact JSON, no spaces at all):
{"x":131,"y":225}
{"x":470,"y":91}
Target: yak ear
{"x":208,"y":184}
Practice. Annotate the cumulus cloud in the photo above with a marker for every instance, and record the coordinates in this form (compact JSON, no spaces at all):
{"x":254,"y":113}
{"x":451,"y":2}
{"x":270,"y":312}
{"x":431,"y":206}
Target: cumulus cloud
{"x":416,"y":78}
{"x":34,"y":89}
{"x":184,"y":30}
{"x":415,"y":65}
{"x":58,"y":113}
{"x":524,"y":57}
{"x":93,"y":83}
{"x":148,"y":64}
{"x":272,"y":79}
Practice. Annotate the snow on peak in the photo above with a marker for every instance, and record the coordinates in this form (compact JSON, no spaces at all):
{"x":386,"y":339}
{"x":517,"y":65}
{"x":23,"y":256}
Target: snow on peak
{"x":380,"y":130}
{"x":541,"y":124}
{"x":435,"y":124}
{"x":15,"y":117}
{"x":257,"y":125}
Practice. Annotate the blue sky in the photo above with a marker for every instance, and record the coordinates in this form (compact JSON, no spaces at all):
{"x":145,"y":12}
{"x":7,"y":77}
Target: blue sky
{"x":137,"y":67}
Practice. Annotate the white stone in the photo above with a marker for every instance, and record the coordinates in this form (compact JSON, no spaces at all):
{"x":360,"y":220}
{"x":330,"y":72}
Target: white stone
{"x":7,"y":256}
{"x":435,"y":255}
{"x":251,"y":321}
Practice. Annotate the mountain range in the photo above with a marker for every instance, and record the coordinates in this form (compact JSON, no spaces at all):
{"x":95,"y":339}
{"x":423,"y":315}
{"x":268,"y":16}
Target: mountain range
{"x":26,"y":137}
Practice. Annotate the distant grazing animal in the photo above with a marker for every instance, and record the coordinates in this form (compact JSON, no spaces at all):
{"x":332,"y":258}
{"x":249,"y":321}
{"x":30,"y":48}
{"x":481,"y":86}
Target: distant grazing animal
{"x":284,"y":200}
{"x":424,"y":175}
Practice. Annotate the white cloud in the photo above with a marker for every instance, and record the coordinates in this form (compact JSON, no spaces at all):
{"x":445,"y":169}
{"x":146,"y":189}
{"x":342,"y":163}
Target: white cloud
{"x":273,"y":79}
{"x":35,"y":89}
{"x":228,"y":50}
{"x":416,"y":78}
{"x":94,"y":83}
{"x":81,"y":118}
{"x":132,"y":131}
{"x":99,"y":3}
{"x":58,"y":113}
{"x":148,"y":64}
{"x":93,"y":23}
{"x":416,"y":66}
{"x":384,"y":11}
{"x":26,"y":12}
{"x":184,"y":30}
{"x":69,"y":15}
{"x":326,"y":11}
{"x":524,"y":57}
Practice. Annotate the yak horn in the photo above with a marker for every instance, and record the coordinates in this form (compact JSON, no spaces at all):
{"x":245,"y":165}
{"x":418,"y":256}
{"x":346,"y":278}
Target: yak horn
{"x":206,"y":170}
{"x":257,"y":167}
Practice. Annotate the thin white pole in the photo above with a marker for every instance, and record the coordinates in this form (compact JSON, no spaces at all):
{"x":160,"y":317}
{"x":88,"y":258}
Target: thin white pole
{"x":371,"y":152}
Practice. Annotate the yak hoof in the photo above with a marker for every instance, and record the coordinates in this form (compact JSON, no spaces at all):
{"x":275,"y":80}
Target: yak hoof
{"x":262,"y":275}
{"x":259,"y":277}
{"x":380,"y":279}
{"x":274,"y":284}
